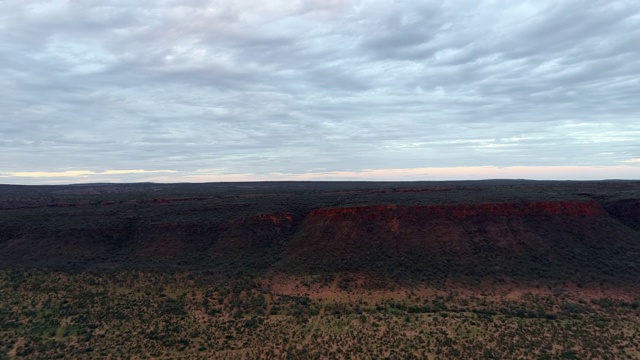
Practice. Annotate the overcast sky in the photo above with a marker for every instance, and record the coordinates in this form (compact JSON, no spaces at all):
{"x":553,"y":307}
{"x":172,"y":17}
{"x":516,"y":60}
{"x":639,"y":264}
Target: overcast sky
{"x":206,"y":90}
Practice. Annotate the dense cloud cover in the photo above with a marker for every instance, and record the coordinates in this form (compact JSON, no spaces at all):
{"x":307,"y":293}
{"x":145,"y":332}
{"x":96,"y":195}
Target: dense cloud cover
{"x":237,"y":90}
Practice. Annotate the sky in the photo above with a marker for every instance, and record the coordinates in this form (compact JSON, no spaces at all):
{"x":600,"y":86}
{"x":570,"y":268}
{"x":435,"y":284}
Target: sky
{"x":206,"y":90}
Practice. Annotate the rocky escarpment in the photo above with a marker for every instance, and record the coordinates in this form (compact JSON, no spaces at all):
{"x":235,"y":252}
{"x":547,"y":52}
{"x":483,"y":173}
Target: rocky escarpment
{"x":462,"y":211}
{"x":550,"y":239}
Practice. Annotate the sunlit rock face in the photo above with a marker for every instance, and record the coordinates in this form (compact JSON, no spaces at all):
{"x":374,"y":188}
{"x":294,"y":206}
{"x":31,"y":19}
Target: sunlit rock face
{"x":511,"y":239}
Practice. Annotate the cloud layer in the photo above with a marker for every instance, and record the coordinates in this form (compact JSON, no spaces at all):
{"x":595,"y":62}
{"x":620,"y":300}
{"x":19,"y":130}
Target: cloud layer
{"x":297,"y":87}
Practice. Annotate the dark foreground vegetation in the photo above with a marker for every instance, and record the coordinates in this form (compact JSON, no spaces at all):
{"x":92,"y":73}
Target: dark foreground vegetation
{"x":50,"y":315}
{"x":482,"y":270}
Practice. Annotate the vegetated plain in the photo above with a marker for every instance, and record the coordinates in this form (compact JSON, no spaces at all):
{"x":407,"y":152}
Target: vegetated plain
{"x":481,"y":269}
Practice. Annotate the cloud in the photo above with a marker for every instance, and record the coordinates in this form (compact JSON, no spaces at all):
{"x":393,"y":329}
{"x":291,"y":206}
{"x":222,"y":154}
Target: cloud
{"x":70,"y":174}
{"x":620,"y":172}
{"x":121,"y":172}
{"x":476,"y":173}
{"x":283,"y":87}
{"x":40,"y":174}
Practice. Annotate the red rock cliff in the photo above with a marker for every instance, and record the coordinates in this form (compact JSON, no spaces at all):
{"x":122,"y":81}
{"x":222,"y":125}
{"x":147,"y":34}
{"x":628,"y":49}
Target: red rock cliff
{"x":462,"y":211}
{"x":485,"y":235}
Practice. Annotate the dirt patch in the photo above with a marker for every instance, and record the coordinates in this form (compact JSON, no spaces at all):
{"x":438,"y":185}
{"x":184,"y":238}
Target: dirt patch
{"x":14,"y":350}
{"x":334,"y":292}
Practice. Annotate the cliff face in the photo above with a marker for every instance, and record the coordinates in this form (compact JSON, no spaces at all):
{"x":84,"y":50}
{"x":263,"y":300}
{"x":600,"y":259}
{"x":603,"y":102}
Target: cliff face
{"x":524,"y":239}
{"x":463,"y":211}
{"x":512,"y":239}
